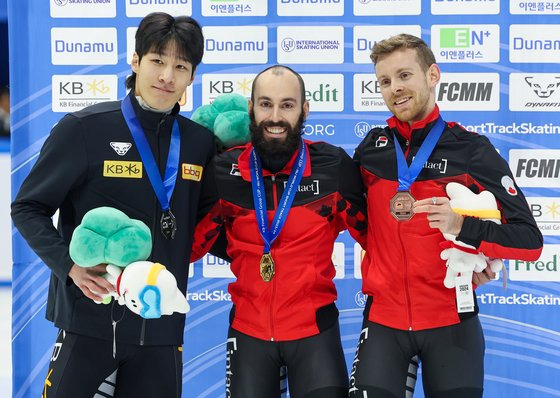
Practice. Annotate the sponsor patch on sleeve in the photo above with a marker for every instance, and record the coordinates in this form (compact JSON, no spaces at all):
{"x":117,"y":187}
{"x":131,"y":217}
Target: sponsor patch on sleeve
{"x":191,"y":172}
{"x":507,"y":183}
{"x":122,"y":169}
{"x":381,"y":141}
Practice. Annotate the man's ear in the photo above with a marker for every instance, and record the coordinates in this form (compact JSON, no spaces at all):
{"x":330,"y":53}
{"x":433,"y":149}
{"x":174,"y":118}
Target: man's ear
{"x":250,"y":107}
{"x":434,"y":75}
{"x":192,"y":77}
{"x":306,"y":109}
{"x":135,"y":63}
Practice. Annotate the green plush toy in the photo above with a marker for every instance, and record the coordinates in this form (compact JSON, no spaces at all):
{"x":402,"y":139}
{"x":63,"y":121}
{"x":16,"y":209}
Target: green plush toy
{"x":108,"y":236}
{"x":228,"y":118}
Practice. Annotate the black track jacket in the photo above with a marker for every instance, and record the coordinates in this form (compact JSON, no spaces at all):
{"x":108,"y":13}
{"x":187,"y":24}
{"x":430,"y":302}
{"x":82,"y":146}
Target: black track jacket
{"x":78,"y":170}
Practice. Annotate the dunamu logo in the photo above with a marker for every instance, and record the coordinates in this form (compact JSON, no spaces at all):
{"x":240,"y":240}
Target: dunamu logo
{"x":237,"y":45}
{"x":62,"y":46}
{"x":364,"y":44}
{"x":521,"y":43}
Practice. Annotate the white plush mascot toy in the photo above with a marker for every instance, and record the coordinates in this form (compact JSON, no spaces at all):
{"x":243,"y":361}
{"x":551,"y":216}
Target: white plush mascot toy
{"x":147,"y":289}
{"x":108,"y":236}
{"x":462,"y":258}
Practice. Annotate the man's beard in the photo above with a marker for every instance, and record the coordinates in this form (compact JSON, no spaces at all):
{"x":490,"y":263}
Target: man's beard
{"x":275,"y":153}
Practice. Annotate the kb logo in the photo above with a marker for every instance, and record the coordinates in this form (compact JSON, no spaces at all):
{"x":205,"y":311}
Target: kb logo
{"x":77,"y":87}
{"x":288,"y":44}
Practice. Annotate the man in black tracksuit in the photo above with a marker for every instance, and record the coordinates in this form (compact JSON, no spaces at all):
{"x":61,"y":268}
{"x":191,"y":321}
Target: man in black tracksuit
{"x":92,"y":160}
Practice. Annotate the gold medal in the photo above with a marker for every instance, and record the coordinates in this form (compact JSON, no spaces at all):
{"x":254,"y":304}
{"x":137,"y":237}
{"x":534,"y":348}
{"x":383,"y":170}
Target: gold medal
{"x":401,"y":206}
{"x":267,"y":267}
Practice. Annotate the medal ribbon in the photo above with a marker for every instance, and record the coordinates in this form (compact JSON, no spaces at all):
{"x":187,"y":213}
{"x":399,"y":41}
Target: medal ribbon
{"x":162,"y":188}
{"x":407,"y":175}
{"x":259,"y":196}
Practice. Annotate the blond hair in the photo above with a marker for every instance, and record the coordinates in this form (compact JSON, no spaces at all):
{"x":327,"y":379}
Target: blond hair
{"x":403,"y":41}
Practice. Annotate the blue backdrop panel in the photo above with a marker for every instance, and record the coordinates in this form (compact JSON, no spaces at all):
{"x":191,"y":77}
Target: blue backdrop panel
{"x":501,"y":78}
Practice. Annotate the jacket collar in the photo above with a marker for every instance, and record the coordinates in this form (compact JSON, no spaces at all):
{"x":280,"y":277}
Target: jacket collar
{"x":243,"y":162}
{"x":149,"y":119}
{"x":406,"y":130}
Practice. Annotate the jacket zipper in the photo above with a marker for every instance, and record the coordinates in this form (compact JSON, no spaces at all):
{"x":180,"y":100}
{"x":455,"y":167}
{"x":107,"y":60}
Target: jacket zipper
{"x":275,"y":202}
{"x":405,"y":278}
{"x":154,"y":225}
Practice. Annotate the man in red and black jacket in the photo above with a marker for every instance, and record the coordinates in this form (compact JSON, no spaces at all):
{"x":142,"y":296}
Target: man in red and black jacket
{"x":405,"y":168}
{"x":284,"y":312}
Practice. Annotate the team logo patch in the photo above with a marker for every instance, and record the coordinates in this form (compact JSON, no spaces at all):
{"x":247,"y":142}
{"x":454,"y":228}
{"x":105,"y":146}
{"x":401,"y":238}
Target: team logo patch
{"x":122,"y":169}
{"x":191,"y":172}
{"x":381,"y":142}
{"x":507,"y":183}
{"x":235,"y":170}
{"x":121,"y":148}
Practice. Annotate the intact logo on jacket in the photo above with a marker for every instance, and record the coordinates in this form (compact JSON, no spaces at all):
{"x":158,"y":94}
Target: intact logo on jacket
{"x":313,"y":187}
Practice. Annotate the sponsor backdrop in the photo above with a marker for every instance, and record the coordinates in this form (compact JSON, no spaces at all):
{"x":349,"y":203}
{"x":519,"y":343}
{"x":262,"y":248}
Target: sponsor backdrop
{"x":501,"y":78}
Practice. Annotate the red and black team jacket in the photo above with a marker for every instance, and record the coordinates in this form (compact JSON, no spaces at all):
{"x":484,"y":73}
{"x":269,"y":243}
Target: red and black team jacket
{"x":402,"y":272}
{"x":299,"y":301}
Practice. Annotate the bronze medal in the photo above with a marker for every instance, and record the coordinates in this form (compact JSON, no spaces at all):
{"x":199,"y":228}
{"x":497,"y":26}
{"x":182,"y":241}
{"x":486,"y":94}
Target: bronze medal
{"x":401,"y":206}
{"x":267,"y":267}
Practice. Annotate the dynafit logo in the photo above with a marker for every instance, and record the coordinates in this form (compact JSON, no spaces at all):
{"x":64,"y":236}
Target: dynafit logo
{"x":543,"y":86}
{"x":121,"y":148}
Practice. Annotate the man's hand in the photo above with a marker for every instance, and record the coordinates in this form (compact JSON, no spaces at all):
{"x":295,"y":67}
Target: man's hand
{"x":480,"y":278}
{"x":90,"y":281}
{"x":440,"y":214}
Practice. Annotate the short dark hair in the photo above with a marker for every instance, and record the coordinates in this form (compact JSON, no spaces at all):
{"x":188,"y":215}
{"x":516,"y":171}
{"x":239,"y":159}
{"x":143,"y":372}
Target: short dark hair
{"x":403,"y":41}
{"x":158,"y":29}
{"x":278,"y":69}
